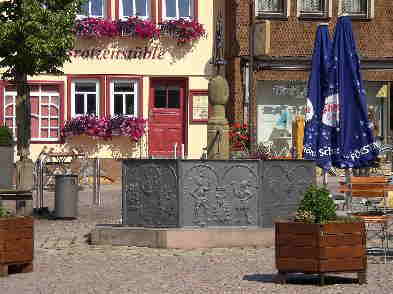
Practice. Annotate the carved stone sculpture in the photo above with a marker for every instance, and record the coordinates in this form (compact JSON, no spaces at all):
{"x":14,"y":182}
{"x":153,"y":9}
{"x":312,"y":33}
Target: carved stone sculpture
{"x":217,"y":126}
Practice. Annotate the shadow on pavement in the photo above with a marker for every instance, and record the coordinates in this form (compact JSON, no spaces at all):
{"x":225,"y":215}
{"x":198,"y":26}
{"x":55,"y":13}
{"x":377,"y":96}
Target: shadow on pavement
{"x":300,"y":279}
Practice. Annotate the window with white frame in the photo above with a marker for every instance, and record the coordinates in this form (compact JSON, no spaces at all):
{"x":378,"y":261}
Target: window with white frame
{"x":140,"y":8}
{"x":271,"y":8}
{"x":313,"y":8}
{"x":45,"y":111}
{"x":124,"y":97}
{"x":85,"y":97}
{"x":357,"y":8}
{"x":93,"y":8}
{"x":174,"y":9}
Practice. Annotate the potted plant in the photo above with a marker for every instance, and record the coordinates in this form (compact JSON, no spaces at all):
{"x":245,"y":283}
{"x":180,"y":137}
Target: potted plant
{"x":16,"y":243}
{"x":319,"y":242}
{"x":6,"y":157}
{"x":239,"y":137}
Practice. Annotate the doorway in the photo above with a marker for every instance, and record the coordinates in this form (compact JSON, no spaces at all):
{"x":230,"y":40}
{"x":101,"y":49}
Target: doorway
{"x":167,"y":117}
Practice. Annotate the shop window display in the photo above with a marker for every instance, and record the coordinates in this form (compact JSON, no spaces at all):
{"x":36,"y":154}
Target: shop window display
{"x":278,"y":106}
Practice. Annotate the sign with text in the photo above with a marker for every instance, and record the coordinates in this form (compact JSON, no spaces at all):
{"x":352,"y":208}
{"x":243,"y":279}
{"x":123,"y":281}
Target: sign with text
{"x":199,"y":106}
{"x":147,"y":52}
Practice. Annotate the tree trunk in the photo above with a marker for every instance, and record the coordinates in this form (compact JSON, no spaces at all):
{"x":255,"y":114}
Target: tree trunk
{"x":22,"y":115}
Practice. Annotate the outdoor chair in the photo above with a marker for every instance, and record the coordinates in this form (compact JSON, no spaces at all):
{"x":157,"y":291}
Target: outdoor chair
{"x":373,"y":192}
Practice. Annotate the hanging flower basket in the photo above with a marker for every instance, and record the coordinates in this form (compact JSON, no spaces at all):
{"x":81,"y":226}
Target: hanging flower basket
{"x":183,"y":30}
{"x":105,"y":128}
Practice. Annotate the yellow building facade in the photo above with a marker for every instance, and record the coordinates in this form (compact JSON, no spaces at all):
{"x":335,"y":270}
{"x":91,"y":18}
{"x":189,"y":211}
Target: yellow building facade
{"x":157,"y":79}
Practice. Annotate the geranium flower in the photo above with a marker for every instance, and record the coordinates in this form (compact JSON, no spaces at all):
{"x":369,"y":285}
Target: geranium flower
{"x":184,"y":30}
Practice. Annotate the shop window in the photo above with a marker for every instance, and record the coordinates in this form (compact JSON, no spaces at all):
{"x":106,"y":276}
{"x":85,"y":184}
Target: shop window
{"x":93,"y":8}
{"x":85,"y":97}
{"x":357,"y":9}
{"x":279,"y":104}
{"x":124,"y":97}
{"x":313,"y":8}
{"x":140,"y":8}
{"x":45,"y":111}
{"x":174,"y":9}
{"x":272,"y":8}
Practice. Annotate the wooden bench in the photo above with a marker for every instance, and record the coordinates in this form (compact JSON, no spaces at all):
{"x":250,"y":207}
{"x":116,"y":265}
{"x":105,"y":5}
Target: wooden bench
{"x":20,"y":197}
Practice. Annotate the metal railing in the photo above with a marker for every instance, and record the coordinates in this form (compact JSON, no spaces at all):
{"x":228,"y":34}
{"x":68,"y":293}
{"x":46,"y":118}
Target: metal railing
{"x":208,"y":149}
{"x":43,"y":175}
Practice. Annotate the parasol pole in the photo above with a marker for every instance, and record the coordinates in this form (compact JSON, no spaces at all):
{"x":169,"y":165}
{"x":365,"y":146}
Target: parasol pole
{"x":324,"y":177}
{"x":348,"y":195}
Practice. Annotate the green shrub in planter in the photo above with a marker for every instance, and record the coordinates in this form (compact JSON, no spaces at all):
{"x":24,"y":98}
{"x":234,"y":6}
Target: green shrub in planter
{"x":4,"y":212}
{"x":317,"y":206}
{"x":6,"y":138}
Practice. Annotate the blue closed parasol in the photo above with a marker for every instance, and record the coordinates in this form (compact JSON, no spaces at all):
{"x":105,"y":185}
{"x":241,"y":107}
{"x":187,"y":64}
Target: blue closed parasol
{"x":344,"y":139}
{"x":318,"y":85}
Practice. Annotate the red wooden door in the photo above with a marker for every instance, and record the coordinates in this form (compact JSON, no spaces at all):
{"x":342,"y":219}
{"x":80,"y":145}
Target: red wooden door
{"x":166,"y":117}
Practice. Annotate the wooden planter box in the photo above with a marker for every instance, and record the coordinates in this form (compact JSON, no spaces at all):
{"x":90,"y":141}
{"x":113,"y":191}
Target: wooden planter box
{"x":16,"y":244}
{"x":320,"y":249}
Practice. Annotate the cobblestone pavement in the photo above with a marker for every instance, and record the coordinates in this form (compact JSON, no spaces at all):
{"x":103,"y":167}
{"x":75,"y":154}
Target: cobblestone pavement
{"x":65,"y":263}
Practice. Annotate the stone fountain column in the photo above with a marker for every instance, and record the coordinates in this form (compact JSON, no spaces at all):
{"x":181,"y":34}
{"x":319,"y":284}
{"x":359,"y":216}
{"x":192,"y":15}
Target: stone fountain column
{"x":218,"y":145}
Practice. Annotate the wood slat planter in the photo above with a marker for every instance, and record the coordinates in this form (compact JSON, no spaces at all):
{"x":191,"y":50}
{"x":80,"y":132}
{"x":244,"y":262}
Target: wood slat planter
{"x":320,"y":249}
{"x":16,"y":244}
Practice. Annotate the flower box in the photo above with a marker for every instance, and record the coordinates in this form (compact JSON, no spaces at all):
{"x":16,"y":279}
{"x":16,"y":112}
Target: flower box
{"x":138,"y":28}
{"x":95,"y":28}
{"x":105,"y":128}
{"x":183,"y":30}
{"x":16,"y":244}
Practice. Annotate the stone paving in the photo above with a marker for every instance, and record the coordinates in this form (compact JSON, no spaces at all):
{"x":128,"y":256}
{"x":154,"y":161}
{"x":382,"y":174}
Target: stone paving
{"x":65,"y":263}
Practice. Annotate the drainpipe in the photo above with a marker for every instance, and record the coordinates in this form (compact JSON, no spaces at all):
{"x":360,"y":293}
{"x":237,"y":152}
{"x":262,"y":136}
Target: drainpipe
{"x":246,"y":83}
{"x":251,"y":104}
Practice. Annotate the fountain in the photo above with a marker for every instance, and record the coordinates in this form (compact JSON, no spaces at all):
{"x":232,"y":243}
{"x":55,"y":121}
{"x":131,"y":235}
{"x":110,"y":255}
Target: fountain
{"x":213,"y":202}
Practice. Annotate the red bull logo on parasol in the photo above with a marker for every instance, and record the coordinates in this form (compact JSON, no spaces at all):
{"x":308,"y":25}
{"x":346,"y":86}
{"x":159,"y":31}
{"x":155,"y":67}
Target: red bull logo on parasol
{"x":309,"y":111}
{"x":331,"y":111}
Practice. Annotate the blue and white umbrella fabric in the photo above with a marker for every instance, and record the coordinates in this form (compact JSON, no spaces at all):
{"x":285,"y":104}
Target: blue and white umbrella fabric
{"x":345,"y":110}
{"x":318,"y":85}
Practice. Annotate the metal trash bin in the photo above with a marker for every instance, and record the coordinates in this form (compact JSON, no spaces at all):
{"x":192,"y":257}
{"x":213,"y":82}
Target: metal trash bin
{"x":66,"y":196}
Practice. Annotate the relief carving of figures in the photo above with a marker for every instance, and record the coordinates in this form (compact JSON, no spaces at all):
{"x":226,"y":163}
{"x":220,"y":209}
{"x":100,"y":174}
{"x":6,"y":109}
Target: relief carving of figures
{"x":133,"y":196}
{"x":216,"y":195}
{"x":201,"y":196}
{"x":223,"y":210}
{"x":166,"y":199}
{"x":151,"y":195}
{"x":243,"y":191}
{"x":242,"y":186}
{"x":150,"y":180}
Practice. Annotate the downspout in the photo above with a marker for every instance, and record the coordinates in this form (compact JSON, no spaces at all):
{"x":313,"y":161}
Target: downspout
{"x":251,"y":104}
